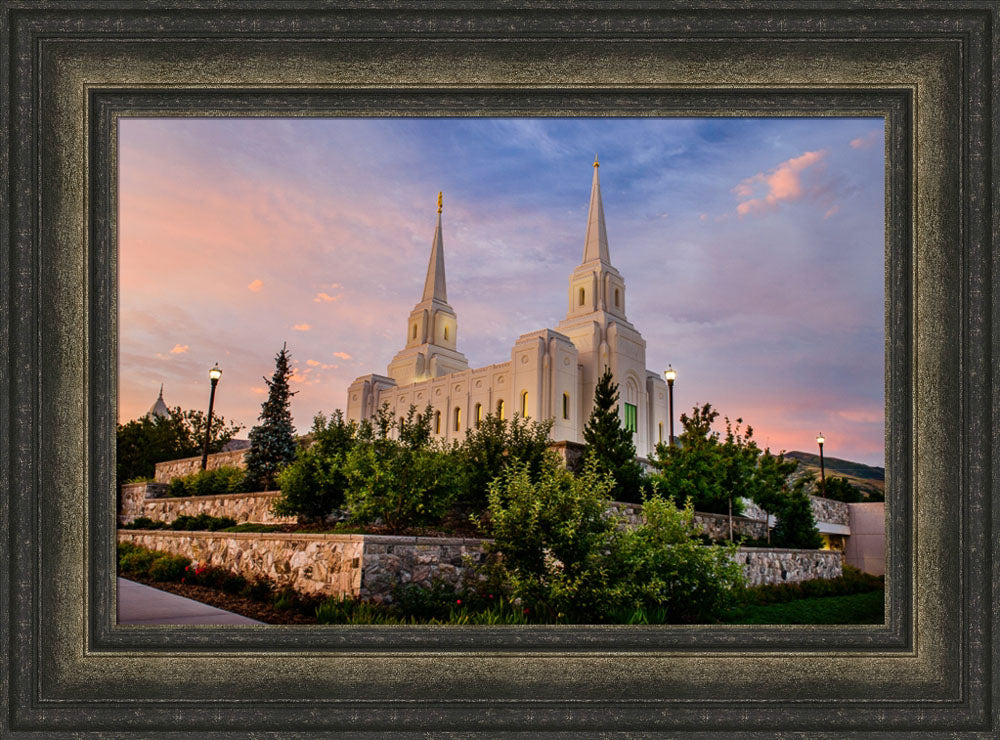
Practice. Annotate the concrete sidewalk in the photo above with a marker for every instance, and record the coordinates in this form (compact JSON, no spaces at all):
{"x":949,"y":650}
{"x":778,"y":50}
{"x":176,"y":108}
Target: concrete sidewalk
{"x":141,"y":604}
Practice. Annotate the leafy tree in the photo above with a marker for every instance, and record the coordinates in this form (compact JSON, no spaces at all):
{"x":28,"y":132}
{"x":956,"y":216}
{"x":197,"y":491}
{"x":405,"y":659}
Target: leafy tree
{"x":610,"y":444}
{"x":315,"y":483}
{"x":272,"y":442}
{"x":496,"y":443}
{"x":143,"y":442}
{"x":740,"y":469}
{"x":695,"y":467}
{"x":770,"y":490}
{"x":840,"y":489}
{"x":796,"y":526}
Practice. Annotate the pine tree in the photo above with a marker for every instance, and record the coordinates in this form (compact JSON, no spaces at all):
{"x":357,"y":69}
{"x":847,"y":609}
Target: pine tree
{"x":610,"y":444}
{"x":272,"y":442}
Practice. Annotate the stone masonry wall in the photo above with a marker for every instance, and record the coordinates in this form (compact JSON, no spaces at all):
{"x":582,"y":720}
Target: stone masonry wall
{"x":167,"y":471}
{"x":146,"y":499}
{"x":368,"y":566}
{"x":714,"y":525}
{"x":777,"y":565}
{"x":830,"y":511}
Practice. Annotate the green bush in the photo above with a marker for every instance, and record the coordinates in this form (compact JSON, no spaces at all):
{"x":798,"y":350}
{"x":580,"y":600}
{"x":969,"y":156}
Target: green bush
{"x":401,"y":486}
{"x":137,"y":561}
{"x":252,"y":527}
{"x":315,"y":482}
{"x":201,"y":523}
{"x":168,"y":567}
{"x":215,"y":482}
{"x":144,"y":522}
{"x":853,"y":581}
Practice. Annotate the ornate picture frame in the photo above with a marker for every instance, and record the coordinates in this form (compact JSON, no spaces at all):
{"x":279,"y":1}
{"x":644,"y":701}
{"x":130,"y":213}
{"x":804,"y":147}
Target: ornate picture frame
{"x":70,"y":71}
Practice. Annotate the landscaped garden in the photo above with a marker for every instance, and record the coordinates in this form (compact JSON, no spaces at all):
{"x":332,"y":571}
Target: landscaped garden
{"x":554,"y":549}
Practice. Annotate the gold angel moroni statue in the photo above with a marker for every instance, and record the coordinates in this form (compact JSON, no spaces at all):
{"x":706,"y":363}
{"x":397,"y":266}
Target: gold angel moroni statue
{"x":596,"y":163}
{"x":439,"y":202}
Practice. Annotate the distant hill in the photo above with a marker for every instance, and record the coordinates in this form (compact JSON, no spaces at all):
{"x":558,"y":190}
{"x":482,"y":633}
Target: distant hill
{"x":868,"y":478}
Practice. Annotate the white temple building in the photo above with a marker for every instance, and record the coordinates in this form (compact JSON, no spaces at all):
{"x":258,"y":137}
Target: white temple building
{"x":551,"y":373}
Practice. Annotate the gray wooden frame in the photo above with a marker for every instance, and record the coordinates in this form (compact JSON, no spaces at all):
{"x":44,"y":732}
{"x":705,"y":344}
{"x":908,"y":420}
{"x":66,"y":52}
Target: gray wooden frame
{"x":71,"y":69}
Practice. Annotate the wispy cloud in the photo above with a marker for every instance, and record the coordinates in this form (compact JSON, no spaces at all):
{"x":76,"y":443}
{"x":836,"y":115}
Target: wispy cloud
{"x":256,"y":285}
{"x":179,"y":349}
{"x":302,"y":327}
{"x":867,"y":141}
{"x":763,"y":192}
{"x":325,"y":298}
{"x":342,"y":355}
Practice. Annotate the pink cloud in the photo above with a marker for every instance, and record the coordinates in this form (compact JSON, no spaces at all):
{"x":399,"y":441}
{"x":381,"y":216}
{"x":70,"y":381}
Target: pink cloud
{"x":866,"y":141}
{"x":302,"y":327}
{"x":312,"y":363}
{"x":325,"y":298}
{"x":255,"y":286}
{"x":783,"y":183}
{"x":342,"y":355}
{"x":179,"y":349}
{"x":832,"y":211}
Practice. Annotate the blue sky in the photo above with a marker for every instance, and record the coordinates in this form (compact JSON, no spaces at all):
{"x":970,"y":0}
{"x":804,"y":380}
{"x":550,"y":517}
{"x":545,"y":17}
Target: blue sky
{"x":752,"y":251}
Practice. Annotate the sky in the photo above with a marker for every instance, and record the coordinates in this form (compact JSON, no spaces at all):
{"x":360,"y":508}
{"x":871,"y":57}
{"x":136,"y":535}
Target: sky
{"x":752,"y":251}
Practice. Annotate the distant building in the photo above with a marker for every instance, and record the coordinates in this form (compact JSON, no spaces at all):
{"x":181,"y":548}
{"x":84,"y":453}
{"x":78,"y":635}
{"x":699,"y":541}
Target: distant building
{"x":551,"y":373}
{"x":159,"y":408}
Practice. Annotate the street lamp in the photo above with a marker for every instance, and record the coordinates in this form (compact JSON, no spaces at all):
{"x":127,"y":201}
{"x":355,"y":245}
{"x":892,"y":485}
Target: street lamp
{"x":671,"y":375}
{"x":822,"y":468}
{"x":214,"y":374}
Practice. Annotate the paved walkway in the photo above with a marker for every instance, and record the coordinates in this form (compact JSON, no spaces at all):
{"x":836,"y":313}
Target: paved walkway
{"x":141,"y":604}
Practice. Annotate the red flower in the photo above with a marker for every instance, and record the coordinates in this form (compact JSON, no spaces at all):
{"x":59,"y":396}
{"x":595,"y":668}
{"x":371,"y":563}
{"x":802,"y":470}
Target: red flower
{"x":187,"y":567}
{"x":183,"y":579}
{"x":458,"y":601}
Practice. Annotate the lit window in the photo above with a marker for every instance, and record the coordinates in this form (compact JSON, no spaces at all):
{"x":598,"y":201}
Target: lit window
{"x":631,"y":418}
{"x":500,"y":408}
{"x":479,"y":414}
{"x":661,"y":432}
{"x":524,"y":404}
{"x":582,"y":295}
{"x":565,"y":405}
{"x":458,"y":419}
{"x":437,"y":422}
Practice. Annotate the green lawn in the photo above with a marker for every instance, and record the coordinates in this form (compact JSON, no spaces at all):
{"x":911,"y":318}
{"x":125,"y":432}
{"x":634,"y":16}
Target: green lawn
{"x":865,"y":608}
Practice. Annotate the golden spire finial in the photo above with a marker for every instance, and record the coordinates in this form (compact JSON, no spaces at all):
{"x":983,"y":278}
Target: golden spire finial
{"x":439,"y":202}
{"x":596,"y":163}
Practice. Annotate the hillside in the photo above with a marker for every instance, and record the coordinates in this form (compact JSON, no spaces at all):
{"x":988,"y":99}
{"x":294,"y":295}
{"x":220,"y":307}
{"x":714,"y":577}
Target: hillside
{"x":869,"y":478}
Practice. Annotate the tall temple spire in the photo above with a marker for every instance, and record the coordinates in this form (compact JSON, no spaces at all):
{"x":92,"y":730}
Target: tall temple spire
{"x":596,"y":245}
{"x":434,"y":286}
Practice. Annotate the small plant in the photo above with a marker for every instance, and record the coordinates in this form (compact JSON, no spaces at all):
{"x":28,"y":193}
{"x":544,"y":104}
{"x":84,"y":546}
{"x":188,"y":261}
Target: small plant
{"x":215,"y":482}
{"x":168,"y":567}
{"x":201,"y":523}
{"x":144,"y":522}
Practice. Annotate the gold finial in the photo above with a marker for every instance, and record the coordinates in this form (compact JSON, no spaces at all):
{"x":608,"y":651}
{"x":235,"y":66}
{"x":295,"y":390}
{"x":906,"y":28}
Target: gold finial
{"x":439,"y":202}
{"x":596,"y":163}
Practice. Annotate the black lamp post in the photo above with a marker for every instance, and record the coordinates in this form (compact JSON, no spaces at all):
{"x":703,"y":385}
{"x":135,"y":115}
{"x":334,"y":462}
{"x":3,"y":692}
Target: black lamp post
{"x":671,"y":375}
{"x":822,"y":468}
{"x":214,"y":374}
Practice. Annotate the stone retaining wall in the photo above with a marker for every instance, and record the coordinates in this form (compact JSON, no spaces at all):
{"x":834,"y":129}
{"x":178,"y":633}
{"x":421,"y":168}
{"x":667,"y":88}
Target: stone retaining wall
{"x":830,"y":511}
{"x":368,"y":566}
{"x":146,"y":499}
{"x":715,"y":526}
{"x":778,"y":565}
{"x":170,"y":469}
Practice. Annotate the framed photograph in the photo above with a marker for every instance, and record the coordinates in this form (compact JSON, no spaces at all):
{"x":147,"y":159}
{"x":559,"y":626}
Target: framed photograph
{"x":75,"y":79}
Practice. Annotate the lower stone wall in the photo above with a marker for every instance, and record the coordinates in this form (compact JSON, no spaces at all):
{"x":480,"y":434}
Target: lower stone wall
{"x":778,"y":565}
{"x":368,"y":566}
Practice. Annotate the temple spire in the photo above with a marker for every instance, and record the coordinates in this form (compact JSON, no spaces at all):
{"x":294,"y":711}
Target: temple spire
{"x":596,"y":244}
{"x":434,"y":286}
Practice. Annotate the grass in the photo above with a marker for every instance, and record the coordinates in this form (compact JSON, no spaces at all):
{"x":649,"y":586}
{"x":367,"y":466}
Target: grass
{"x":863,"y":608}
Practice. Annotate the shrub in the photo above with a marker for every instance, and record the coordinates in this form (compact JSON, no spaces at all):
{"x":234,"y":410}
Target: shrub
{"x":201,"y":523}
{"x":168,"y":567}
{"x":401,"y":486}
{"x":796,"y":526}
{"x":144,"y":522}
{"x":252,"y":527}
{"x":137,"y":561}
{"x":315,"y":482}
{"x":496,"y":443}
{"x":215,"y":482}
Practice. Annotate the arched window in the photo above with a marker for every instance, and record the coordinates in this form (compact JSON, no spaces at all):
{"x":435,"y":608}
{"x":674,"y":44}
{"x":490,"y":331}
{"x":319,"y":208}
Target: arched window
{"x":524,"y":404}
{"x":583,"y":294}
{"x":660,"y":439}
{"x":565,"y":405}
{"x":617,"y":298}
{"x":479,"y":414}
{"x":414,"y":332}
{"x":437,"y":422}
{"x":458,"y":419}
{"x":500,"y":408}
{"x":446,"y":333}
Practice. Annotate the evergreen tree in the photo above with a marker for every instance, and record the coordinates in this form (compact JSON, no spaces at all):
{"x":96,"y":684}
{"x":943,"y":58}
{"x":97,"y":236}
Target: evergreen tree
{"x":272,"y":442}
{"x":610,"y":445}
